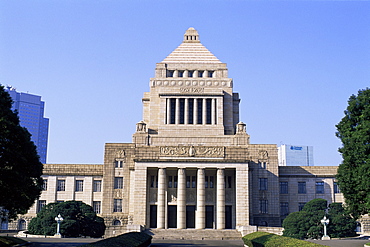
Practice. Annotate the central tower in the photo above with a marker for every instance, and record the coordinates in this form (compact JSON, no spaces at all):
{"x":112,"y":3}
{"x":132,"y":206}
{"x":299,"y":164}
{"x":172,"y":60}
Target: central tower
{"x":190,"y":96}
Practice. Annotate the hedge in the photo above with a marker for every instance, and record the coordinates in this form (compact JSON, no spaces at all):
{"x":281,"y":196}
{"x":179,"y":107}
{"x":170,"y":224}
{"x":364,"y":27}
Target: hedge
{"x":131,"y":239}
{"x":265,"y":239}
{"x":10,"y":241}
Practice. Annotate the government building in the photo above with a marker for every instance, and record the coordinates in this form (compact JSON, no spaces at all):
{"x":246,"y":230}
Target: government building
{"x":190,"y":164}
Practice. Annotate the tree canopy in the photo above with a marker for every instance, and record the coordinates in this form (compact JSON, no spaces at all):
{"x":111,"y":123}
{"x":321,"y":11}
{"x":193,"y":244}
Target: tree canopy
{"x":353,"y":174}
{"x":307,"y":223}
{"x":20,"y":167}
{"x":79,"y":219}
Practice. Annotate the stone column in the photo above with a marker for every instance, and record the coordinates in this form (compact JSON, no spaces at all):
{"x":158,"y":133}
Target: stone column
{"x":175,"y":73}
{"x":200,"y":216}
{"x":220,"y":199}
{"x":186,"y":111}
{"x":161,"y":198}
{"x":177,"y":111}
{"x":204,"y":118}
{"x":168,"y":111}
{"x":205,"y":73}
{"x":213,"y":111}
{"x":181,"y":199}
{"x":195,"y":106}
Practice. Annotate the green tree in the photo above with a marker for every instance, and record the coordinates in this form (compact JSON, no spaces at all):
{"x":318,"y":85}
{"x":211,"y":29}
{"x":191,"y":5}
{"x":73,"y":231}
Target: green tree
{"x":79,"y":220}
{"x":341,"y":223}
{"x":307,"y":223}
{"x":353,"y":174}
{"x":20,"y":167}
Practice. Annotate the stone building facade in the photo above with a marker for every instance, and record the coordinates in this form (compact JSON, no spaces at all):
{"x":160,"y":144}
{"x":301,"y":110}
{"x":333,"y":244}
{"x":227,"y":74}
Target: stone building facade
{"x":191,"y":164}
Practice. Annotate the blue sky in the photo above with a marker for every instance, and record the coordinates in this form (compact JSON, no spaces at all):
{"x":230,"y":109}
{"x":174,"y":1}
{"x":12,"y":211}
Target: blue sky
{"x":294,"y":63}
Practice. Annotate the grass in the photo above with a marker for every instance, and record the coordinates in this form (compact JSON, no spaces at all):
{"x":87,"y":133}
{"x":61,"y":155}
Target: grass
{"x":265,"y":239}
{"x":6,"y":241}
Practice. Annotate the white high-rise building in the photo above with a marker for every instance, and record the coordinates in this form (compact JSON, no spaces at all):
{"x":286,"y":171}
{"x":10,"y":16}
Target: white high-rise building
{"x":290,"y":155}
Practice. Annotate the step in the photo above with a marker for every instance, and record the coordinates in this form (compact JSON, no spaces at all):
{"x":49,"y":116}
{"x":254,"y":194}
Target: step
{"x":192,"y":234}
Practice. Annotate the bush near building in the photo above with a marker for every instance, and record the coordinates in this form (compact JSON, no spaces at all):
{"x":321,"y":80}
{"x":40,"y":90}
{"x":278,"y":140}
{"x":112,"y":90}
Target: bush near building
{"x":307,"y":223}
{"x":131,"y":239}
{"x":261,"y":239}
{"x":79,"y":220}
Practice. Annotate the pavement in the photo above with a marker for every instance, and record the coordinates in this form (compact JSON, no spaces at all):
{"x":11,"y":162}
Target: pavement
{"x":193,"y":243}
{"x":348,"y":242}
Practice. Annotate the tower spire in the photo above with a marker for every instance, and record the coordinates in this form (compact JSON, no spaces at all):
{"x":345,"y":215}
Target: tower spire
{"x":191,"y":36}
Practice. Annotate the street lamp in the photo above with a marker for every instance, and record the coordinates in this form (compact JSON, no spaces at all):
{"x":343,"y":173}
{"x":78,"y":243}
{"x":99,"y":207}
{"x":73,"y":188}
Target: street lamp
{"x":58,"y":219}
{"x":325,"y":222}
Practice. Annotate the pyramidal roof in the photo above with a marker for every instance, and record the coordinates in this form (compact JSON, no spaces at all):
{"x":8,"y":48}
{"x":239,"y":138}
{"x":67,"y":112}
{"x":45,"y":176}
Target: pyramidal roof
{"x":191,"y":51}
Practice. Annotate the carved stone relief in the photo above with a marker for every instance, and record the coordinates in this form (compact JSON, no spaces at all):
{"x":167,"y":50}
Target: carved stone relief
{"x":118,"y":193}
{"x":191,"y":151}
{"x":209,"y":196}
{"x":263,"y":155}
{"x":190,"y":196}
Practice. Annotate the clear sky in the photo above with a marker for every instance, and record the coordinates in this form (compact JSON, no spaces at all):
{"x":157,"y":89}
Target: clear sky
{"x":294,"y":63}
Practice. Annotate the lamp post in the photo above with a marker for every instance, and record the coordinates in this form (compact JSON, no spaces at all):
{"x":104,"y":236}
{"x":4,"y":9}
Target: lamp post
{"x":58,"y":219}
{"x":325,"y":222}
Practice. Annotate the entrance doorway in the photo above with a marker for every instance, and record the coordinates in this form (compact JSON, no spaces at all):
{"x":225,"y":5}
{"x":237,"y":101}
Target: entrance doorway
{"x":153,"y":216}
{"x":209,"y":216}
{"x":190,"y":216}
{"x":172,"y":216}
{"x":228,"y":217}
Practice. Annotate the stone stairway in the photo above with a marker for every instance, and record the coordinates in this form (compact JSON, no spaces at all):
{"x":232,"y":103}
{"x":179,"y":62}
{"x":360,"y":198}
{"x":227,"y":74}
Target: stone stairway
{"x":192,"y":234}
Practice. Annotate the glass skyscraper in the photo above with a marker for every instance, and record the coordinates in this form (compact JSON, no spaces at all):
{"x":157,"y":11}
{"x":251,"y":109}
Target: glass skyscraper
{"x":31,"y":115}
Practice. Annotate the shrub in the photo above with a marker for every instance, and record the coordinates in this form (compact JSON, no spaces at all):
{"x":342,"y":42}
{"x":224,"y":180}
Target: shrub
{"x":131,"y":239}
{"x":261,"y":239}
{"x":79,"y":220}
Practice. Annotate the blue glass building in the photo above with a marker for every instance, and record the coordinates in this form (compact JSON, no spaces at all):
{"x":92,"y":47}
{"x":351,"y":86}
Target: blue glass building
{"x":31,"y":115}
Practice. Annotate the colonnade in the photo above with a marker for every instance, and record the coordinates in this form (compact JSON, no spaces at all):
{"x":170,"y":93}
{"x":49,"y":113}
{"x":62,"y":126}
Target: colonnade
{"x":200,"y":216}
{"x":191,"y":111}
{"x":191,"y":73}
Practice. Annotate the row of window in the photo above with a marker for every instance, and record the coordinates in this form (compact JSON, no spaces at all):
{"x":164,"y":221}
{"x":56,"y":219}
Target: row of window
{"x":96,"y":205}
{"x":263,"y":185}
{"x":191,"y":182}
{"x":302,"y":188}
{"x":284,"y":207}
{"x":190,"y":73}
{"x":79,"y":184}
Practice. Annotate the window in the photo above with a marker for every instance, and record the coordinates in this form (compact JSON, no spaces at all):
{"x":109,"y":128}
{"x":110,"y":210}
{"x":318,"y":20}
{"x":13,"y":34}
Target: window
{"x":193,"y":182}
{"x":60,"y":201}
{"x":118,"y":182}
{"x":116,"y":223}
{"x":187,"y":181}
{"x":283,"y":187}
{"x":301,"y":187}
{"x":79,"y":185}
{"x":97,"y":206}
{"x":206,"y":182}
{"x":211,"y":181}
{"x":170,"y":73}
{"x":175,"y":181}
{"x":319,"y":187}
{"x":301,"y":205}
{"x":117,"y":205}
{"x":44,"y":184}
{"x":284,"y":208}
{"x":336,"y":188}
{"x":40,"y":205}
{"x":200,"y":73}
{"x":263,"y":206}
{"x":61,"y":185}
{"x":263,"y":183}
{"x":180,"y":73}
{"x":4,"y":225}
{"x":22,"y":225}
{"x":118,"y":163}
{"x":169,"y":181}
{"x":210,"y":73}
{"x":97,"y":186}
{"x":190,"y":73}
